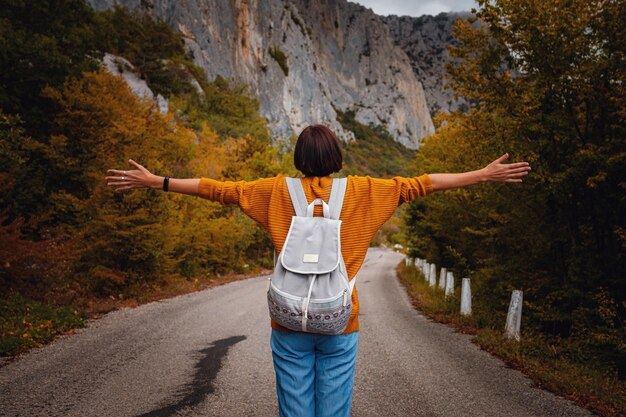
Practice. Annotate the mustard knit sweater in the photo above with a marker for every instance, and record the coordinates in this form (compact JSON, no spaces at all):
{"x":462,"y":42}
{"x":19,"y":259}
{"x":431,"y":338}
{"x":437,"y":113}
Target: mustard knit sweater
{"x":368,"y":203}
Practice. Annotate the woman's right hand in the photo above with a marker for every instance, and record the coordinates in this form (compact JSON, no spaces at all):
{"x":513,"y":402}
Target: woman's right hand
{"x":136,"y":178}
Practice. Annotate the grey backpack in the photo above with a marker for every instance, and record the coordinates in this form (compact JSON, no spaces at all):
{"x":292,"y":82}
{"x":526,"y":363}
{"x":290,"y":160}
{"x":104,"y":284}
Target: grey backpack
{"x":309,"y":290}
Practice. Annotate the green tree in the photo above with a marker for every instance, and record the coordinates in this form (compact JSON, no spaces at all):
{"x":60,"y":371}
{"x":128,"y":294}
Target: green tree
{"x":151,"y":46}
{"x":227,"y":107}
{"x":42,"y":43}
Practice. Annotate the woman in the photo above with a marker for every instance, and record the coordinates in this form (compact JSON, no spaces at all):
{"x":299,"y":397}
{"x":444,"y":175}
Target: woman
{"x":314,"y":372}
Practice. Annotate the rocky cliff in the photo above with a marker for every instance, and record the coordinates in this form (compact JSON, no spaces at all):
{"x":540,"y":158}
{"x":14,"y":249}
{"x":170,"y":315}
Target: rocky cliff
{"x":425,"y":40}
{"x":304,"y":59}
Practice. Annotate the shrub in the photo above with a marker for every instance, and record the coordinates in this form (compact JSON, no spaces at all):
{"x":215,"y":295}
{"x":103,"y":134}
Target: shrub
{"x":280,"y":57}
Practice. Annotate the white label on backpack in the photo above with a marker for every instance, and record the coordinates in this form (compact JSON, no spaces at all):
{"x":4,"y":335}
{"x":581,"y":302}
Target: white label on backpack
{"x":311,"y":257}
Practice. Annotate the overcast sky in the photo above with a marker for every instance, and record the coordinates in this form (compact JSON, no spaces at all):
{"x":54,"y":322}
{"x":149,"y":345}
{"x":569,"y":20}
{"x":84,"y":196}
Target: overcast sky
{"x":416,"y":7}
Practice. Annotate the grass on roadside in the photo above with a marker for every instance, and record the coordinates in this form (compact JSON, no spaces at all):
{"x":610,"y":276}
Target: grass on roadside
{"x":540,"y":357}
{"x":25,"y":323}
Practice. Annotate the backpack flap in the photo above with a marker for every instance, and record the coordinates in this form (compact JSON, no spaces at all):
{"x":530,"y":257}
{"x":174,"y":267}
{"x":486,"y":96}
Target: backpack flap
{"x":312,"y":245}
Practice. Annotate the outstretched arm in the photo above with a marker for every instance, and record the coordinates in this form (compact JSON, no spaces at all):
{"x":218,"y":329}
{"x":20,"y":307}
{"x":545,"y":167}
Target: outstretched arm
{"x":252,"y":197}
{"x":142,"y":178}
{"x":496,"y":171}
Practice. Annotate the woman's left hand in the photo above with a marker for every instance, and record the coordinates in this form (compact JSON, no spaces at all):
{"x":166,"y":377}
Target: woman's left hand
{"x":500,"y":172}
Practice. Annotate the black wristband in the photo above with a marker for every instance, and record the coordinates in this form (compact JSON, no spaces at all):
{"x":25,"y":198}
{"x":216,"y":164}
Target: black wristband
{"x":166,"y":182}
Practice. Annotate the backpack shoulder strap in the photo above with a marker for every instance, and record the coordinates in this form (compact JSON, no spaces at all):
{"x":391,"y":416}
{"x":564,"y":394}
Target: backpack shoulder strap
{"x":298,"y":198}
{"x":337,"y":193}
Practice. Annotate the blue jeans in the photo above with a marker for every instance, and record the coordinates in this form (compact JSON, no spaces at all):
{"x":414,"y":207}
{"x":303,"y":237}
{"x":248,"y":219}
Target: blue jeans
{"x":314,"y":373}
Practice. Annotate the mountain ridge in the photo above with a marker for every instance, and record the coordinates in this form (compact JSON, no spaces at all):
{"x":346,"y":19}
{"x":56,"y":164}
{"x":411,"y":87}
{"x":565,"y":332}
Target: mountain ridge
{"x":305,"y":61}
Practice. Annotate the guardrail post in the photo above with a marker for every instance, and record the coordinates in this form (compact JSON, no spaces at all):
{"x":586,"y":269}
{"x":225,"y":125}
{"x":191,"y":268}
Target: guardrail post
{"x":442,"y":277}
{"x":514,"y":316}
{"x":466,"y":297}
{"x":426,"y":270}
{"x":432,"y":277}
{"x":449,"y":284}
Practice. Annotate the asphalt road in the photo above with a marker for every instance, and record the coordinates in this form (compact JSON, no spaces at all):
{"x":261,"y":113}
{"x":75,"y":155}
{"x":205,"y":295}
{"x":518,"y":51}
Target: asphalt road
{"x":207,"y":354}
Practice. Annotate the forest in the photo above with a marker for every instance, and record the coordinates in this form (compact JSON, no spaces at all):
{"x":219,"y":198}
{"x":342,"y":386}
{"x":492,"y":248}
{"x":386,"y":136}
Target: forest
{"x":544,"y":81}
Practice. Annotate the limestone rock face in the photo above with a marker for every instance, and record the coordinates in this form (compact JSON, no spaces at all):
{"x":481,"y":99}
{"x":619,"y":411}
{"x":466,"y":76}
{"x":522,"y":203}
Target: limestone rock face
{"x":337,"y":56}
{"x":425,"y":40}
{"x":121,"y":67}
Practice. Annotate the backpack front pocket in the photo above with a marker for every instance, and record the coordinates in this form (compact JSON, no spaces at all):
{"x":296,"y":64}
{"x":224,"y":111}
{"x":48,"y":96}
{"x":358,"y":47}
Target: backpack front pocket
{"x":326,"y":317}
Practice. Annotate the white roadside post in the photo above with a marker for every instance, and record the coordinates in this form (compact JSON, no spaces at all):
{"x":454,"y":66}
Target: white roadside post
{"x":426,"y":270}
{"x":449,"y":284}
{"x":514,"y":317}
{"x":419,"y":262}
{"x":442,"y":277}
{"x":406,"y":261}
{"x":432,"y":277}
{"x":466,"y":297}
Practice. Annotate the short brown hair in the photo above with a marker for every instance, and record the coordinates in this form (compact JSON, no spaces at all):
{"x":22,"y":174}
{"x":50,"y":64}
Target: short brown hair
{"x":317,"y":152}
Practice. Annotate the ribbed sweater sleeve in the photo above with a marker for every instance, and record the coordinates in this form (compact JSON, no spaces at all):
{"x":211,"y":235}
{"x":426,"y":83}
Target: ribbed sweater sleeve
{"x":253,"y":197}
